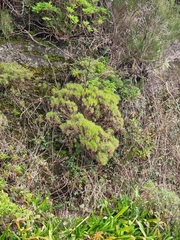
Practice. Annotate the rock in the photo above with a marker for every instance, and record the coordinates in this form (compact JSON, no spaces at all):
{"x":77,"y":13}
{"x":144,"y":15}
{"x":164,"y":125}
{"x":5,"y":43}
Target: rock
{"x":31,"y":54}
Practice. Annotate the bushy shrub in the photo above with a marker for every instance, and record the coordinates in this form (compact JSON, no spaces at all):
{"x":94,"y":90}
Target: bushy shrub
{"x":90,"y":116}
{"x":87,"y":110}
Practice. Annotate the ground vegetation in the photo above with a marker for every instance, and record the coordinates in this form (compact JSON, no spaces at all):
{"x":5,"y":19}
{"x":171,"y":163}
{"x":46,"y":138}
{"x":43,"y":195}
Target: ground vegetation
{"x":90,"y":143}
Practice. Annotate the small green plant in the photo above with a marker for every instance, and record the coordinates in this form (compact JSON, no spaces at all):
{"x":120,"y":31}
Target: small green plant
{"x":3,"y":156}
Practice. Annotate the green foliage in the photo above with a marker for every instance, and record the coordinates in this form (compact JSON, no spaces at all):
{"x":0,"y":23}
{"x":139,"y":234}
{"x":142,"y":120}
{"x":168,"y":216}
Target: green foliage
{"x":118,"y":220}
{"x":10,"y":72}
{"x":91,"y":117}
{"x":2,"y":183}
{"x":162,"y":202}
{"x":39,"y":223}
{"x":6,"y":23}
{"x":3,"y":156}
{"x":70,"y":17}
{"x":91,"y":137}
{"x":87,"y":13}
{"x":94,"y":101}
{"x":137,"y":140}
{"x":44,"y":6}
{"x":10,"y":210}
{"x":96,"y":71}
{"x":128,"y":92}
{"x":52,"y":16}
{"x":100,"y":74}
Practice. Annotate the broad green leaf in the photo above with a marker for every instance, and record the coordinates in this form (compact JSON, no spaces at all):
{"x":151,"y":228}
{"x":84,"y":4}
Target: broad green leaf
{"x":120,"y":213}
{"x":141,"y":228}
